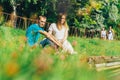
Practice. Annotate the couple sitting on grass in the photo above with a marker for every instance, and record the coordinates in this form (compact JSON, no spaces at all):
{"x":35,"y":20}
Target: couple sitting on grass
{"x":56,"y":37}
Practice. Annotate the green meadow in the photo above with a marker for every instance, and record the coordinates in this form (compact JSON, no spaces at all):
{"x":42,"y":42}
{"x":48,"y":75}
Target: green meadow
{"x":18,"y":61}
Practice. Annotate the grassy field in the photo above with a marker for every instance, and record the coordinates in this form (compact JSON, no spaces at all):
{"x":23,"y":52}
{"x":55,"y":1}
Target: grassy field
{"x":18,"y":61}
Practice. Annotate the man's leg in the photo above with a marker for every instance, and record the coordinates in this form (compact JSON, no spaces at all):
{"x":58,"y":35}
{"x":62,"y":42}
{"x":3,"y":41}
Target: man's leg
{"x":45,"y":42}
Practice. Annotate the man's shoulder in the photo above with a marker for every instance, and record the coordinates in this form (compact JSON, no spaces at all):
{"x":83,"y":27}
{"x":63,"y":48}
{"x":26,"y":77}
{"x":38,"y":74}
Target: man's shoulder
{"x":34,"y":25}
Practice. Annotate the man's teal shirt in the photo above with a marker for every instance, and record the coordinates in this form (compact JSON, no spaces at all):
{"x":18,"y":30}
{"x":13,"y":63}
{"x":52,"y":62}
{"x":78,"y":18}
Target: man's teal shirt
{"x":33,"y":34}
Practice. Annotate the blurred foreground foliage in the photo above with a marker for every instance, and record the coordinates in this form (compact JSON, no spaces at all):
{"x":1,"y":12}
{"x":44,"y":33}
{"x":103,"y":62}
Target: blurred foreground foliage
{"x":18,"y":61}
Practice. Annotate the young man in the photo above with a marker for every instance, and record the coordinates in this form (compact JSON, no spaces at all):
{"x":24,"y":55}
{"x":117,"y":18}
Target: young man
{"x":35,"y":30}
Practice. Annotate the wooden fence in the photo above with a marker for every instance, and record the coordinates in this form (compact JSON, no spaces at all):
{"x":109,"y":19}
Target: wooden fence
{"x":11,"y":20}
{"x":110,"y":64}
{"x":22,"y":23}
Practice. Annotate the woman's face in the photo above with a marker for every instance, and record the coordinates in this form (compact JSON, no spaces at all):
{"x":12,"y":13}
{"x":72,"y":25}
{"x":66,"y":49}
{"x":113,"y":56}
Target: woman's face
{"x":103,"y":28}
{"x":110,"y":27}
{"x":63,"y":19}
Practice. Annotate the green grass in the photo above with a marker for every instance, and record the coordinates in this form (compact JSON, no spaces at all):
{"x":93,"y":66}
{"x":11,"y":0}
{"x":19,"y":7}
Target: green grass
{"x":18,"y":61}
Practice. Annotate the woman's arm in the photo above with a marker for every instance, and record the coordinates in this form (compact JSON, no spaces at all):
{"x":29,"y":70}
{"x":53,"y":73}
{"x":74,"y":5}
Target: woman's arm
{"x":100,"y":34}
{"x":65,"y":36}
{"x":51,"y":37}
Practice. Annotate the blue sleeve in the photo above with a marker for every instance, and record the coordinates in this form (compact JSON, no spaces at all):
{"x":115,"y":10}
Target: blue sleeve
{"x":37,"y":28}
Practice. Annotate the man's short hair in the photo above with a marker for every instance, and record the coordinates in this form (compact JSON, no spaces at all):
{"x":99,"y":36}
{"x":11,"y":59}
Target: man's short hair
{"x":42,"y":17}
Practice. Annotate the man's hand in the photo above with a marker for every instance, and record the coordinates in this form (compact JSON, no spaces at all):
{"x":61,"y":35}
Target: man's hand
{"x":52,"y":38}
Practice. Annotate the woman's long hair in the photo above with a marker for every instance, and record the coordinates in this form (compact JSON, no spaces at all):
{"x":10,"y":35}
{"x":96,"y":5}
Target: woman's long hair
{"x":59,"y":25}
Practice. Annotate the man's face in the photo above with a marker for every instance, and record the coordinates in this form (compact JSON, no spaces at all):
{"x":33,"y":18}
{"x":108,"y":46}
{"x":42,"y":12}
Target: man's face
{"x":42,"y":22}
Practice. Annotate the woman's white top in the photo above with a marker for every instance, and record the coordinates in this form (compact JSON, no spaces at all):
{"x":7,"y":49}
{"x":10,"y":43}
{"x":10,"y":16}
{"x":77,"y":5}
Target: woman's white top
{"x":110,"y":35}
{"x":103,"y":33}
{"x":110,"y":32}
{"x":59,"y":34}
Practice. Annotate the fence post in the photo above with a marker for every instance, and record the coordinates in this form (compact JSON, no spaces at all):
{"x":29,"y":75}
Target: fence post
{"x":25,"y":22}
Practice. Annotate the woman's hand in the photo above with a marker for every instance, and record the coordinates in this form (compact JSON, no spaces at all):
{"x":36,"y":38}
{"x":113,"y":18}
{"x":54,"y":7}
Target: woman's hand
{"x":61,"y":41}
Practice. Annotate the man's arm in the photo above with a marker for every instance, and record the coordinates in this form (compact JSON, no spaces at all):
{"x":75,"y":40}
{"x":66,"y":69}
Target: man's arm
{"x":51,"y":37}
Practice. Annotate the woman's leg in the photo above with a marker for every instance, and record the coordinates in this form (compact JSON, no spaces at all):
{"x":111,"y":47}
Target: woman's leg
{"x":68,"y":47}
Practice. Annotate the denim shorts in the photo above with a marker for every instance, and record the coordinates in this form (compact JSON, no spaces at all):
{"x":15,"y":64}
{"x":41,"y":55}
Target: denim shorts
{"x":46,"y":42}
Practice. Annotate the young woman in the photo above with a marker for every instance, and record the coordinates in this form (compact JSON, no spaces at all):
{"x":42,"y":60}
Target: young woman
{"x":110,"y":33}
{"x":60,"y":31}
{"x":103,"y":34}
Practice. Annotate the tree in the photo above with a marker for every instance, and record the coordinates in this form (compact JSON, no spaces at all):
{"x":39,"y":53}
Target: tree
{"x":113,"y":13}
{"x":14,"y":4}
